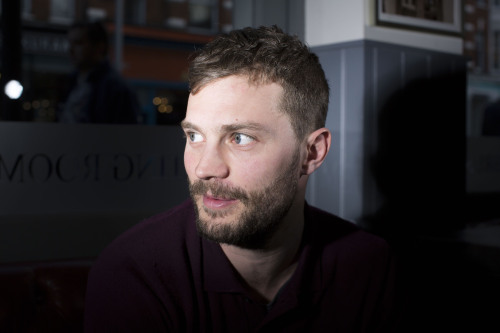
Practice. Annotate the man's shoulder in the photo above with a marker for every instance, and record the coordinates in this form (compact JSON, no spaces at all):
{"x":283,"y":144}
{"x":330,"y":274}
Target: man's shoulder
{"x":173,"y":221}
{"x":161,"y":233}
{"x":145,"y":270}
{"x":338,"y":234}
{"x":169,"y":218}
{"x":347,"y":251}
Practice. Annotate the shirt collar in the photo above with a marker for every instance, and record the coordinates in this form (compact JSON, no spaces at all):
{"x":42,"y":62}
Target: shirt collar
{"x":220,"y":276}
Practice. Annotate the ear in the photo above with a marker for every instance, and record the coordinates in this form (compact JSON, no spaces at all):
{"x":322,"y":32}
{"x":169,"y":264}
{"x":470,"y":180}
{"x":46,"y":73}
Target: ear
{"x":318,"y":145}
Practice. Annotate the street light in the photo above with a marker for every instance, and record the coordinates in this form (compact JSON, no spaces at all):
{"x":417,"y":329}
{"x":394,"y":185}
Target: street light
{"x":13,"y":89}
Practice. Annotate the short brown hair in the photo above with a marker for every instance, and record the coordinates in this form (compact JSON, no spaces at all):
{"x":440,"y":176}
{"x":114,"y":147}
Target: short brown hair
{"x":266,"y":55}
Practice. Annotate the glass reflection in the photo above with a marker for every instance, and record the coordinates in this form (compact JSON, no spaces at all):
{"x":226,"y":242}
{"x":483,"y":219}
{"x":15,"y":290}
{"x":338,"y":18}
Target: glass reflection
{"x":157,"y":37}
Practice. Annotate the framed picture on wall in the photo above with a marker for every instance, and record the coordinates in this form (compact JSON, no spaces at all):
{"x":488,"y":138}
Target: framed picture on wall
{"x":441,"y":16}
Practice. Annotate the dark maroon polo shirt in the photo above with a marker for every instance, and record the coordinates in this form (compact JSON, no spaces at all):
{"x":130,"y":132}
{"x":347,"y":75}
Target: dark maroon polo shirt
{"x":160,"y":276}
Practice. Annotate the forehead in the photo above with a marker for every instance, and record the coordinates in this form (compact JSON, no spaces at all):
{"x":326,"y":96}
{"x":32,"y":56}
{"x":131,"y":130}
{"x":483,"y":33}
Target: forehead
{"x":234,"y":99}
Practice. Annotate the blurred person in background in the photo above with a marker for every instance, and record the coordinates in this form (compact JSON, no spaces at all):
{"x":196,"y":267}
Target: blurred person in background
{"x":97,"y":93}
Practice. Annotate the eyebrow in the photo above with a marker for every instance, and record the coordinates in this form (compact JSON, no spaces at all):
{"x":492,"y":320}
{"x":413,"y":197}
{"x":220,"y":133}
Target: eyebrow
{"x":186,"y":124}
{"x":230,"y":127}
{"x":248,"y":126}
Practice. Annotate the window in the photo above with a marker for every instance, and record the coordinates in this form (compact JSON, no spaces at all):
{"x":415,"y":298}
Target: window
{"x":62,"y":11}
{"x":480,"y":52}
{"x":194,"y":15}
{"x":496,"y":52}
{"x":135,"y":12}
{"x":26,"y":10}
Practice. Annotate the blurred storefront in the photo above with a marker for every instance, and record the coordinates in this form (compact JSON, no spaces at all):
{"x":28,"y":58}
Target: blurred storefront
{"x":150,"y":44}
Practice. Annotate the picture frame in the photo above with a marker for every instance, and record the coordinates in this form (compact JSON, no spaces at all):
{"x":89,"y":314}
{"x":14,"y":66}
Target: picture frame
{"x":438,"y":16}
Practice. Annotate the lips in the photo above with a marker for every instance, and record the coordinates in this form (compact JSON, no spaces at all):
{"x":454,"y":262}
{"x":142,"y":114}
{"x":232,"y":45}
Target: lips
{"x":217,"y":196}
{"x":214,"y":203}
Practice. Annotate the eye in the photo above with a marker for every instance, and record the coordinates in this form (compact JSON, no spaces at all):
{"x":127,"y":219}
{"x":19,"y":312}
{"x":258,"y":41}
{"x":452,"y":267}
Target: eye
{"x":242,"y":139}
{"x":194,"y":137}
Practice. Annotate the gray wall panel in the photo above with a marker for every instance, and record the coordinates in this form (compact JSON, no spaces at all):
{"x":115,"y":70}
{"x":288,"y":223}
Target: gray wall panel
{"x":366,"y":78}
{"x":271,"y":12}
{"x":287,"y":14}
{"x":355,"y":165}
{"x":415,"y":65}
{"x":323,"y":189}
{"x":338,"y":185}
{"x":243,"y":13}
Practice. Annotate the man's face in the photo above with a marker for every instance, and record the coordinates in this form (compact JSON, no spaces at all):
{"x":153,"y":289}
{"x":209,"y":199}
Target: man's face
{"x":242,"y":159}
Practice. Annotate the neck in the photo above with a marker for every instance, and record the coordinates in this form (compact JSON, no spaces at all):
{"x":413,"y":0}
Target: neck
{"x":265,"y":271}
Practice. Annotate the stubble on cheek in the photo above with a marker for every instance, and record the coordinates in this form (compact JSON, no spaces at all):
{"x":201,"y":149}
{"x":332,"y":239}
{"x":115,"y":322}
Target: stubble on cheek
{"x":255,"y":218}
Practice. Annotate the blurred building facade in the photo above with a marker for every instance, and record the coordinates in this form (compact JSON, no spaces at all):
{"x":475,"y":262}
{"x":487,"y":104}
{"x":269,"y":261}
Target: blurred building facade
{"x":150,"y":44}
{"x":481,"y":32}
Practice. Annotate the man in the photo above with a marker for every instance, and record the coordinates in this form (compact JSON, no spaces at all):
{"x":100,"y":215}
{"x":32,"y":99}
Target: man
{"x":246,"y":253}
{"x":97,"y":93}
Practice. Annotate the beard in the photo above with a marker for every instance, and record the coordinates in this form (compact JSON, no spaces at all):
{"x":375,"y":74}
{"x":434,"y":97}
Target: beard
{"x":262,"y":215}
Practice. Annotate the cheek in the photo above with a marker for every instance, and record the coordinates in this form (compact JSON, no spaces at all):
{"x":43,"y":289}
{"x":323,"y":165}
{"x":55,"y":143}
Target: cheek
{"x":256,"y":173}
{"x":285,"y":164}
{"x":190,"y":162}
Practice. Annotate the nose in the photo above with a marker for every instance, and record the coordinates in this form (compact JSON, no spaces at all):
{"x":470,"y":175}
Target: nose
{"x":211,"y":164}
